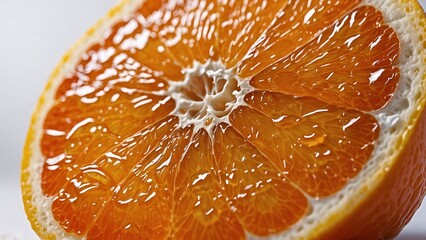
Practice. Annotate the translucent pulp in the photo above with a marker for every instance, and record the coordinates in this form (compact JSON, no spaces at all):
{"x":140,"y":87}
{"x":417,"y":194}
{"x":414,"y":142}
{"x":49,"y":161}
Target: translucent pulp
{"x":202,"y":119}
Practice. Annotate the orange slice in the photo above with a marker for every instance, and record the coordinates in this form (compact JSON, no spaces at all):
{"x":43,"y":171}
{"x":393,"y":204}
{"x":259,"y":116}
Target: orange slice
{"x":226,"y":119}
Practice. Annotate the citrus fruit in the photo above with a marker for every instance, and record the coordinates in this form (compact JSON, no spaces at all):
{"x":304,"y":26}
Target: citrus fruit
{"x":232,"y":119}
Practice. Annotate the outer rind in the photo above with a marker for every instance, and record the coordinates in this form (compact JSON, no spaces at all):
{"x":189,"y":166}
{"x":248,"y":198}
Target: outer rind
{"x":26,"y":187}
{"x":389,"y":201}
{"x":386,"y":195}
{"x":392,"y":203}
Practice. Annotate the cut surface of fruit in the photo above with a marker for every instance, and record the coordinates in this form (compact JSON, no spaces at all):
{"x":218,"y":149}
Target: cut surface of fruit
{"x":212,"y":119}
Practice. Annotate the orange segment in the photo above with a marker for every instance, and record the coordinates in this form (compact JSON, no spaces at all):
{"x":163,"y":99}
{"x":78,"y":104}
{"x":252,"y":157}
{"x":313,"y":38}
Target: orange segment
{"x":318,"y":146}
{"x":88,"y":129}
{"x":241,"y":23}
{"x":104,"y":69}
{"x":200,"y":205}
{"x":141,"y":204}
{"x":351,"y":64}
{"x":297,"y":24}
{"x":90,"y":185}
{"x":134,"y":38}
{"x":264,"y":202}
{"x":187,"y":29}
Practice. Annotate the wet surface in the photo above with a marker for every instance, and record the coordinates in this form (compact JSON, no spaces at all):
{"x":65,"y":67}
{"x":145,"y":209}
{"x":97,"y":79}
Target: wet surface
{"x":15,"y":226}
{"x":144,"y":140}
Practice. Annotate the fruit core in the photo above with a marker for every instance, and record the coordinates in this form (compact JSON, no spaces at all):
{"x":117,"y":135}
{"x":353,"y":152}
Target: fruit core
{"x":207,"y":95}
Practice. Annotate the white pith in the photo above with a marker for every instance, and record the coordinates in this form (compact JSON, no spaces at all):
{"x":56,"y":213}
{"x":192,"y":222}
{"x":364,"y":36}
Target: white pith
{"x":391,"y":118}
{"x":217,"y":72}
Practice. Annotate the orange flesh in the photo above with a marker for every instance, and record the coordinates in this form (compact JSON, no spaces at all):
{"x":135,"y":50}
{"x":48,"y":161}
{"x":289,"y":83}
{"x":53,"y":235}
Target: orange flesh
{"x":119,"y":165}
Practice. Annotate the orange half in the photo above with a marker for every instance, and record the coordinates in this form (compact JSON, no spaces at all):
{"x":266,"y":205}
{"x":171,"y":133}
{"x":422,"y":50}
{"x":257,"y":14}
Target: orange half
{"x":226,"y":119}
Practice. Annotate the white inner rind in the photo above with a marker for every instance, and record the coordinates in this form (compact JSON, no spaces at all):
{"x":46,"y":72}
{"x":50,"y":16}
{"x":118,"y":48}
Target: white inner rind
{"x":68,"y":64}
{"x":392,"y":118}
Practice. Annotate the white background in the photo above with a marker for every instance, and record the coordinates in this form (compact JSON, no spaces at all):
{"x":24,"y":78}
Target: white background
{"x":33,"y":36}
